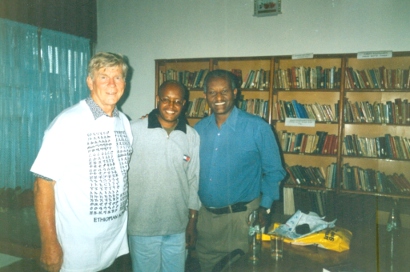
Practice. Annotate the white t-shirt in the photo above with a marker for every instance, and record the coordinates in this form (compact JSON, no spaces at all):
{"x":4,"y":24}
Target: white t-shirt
{"x":88,"y":158}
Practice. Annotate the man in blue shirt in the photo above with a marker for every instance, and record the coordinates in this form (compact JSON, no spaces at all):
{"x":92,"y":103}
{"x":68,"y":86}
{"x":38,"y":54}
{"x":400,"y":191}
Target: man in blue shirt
{"x":240,"y":171}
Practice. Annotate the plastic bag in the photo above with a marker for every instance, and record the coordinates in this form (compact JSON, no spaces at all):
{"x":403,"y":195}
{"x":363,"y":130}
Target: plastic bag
{"x":299,"y":218}
{"x":323,"y":234}
{"x":336,"y":239}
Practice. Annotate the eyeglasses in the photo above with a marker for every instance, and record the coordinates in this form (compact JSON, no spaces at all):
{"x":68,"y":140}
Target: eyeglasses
{"x":168,"y":101}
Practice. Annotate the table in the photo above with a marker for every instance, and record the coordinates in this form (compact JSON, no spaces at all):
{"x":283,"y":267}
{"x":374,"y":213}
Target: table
{"x":368,"y":253}
{"x":295,"y":258}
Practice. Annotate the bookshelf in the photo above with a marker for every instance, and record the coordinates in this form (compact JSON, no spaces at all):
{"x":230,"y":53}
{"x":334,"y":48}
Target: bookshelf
{"x":380,"y":124}
{"x":338,"y":96}
{"x":313,"y":86}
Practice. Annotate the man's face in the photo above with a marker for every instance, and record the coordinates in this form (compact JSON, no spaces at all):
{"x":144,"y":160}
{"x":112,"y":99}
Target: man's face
{"x":170,"y":103}
{"x":220,"y":97}
{"x":107,"y":86}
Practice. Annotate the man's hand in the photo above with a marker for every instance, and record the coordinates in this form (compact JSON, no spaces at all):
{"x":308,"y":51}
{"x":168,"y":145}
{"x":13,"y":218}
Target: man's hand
{"x":190,"y":233}
{"x":262,"y":216}
{"x":51,"y":258}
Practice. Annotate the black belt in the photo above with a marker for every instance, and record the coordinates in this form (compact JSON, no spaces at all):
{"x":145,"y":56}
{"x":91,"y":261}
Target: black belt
{"x":238,"y":207}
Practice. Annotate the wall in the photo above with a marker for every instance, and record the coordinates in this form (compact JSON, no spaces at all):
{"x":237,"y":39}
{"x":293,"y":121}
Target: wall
{"x":157,"y":29}
{"x":73,"y":17}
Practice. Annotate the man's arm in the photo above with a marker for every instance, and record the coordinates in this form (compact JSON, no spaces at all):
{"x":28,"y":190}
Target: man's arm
{"x":194,"y":202}
{"x":272,"y":168}
{"x":190,"y":234}
{"x":44,"y":203}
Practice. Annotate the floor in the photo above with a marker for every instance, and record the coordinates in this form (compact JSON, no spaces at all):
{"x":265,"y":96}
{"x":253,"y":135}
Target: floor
{"x":21,"y":238}
{"x":6,"y":260}
{"x":122,"y":264}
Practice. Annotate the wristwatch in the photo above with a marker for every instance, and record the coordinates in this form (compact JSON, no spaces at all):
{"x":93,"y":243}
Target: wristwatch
{"x":266,"y":209}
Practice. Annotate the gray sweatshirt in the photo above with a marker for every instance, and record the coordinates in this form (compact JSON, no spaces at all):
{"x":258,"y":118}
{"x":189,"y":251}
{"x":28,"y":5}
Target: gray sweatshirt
{"x":163,"y":177}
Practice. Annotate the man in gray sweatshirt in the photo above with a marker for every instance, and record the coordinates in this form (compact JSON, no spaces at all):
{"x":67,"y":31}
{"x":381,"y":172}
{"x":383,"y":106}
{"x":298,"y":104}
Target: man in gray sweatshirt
{"x":163,"y":185}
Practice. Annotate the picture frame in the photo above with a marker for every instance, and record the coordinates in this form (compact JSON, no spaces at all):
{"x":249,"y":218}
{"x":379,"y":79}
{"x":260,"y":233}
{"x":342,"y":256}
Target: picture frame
{"x":264,"y":8}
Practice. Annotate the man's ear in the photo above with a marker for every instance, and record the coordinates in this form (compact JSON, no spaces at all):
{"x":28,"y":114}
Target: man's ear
{"x":235,"y":91}
{"x":90,"y":83}
{"x":156,"y":100}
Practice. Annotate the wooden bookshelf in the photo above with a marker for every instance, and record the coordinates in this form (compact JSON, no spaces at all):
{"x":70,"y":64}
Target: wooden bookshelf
{"x":298,"y":80}
{"x":391,"y":89}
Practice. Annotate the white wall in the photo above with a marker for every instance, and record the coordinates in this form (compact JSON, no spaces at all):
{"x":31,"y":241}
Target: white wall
{"x":145,"y":30}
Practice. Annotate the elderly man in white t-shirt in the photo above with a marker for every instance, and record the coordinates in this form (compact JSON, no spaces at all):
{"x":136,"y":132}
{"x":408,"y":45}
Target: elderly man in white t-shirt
{"x":81,"y":186}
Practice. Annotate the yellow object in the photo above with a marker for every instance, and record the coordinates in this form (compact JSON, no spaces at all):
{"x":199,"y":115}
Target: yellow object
{"x":336,"y":239}
{"x":265,"y":237}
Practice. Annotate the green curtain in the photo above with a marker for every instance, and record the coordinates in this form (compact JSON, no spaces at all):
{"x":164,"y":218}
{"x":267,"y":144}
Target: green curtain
{"x":42,"y":72}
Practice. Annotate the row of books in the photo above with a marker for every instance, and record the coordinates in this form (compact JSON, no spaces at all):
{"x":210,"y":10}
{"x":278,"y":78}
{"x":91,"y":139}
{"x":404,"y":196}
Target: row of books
{"x":197,"y":108}
{"x":294,"y":109}
{"x":255,"y":106}
{"x":319,"y":143}
{"x":255,"y":79}
{"x":377,"y":78}
{"x":355,"y":178}
{"x":189,"y":79}
{"x":307,"y":78}
{"x":387,"y":146}
{"x":303,"y":78}
{"x":312,"y":176}
{"x":390,"y":112}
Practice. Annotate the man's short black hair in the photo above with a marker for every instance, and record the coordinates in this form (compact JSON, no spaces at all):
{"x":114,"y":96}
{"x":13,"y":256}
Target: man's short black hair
{"x":173,"y":82}
{"x":228,"y":76}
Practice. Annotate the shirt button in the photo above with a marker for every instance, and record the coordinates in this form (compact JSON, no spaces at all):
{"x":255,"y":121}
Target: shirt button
{"x":216,"y":149}
{"x":219,"y":134}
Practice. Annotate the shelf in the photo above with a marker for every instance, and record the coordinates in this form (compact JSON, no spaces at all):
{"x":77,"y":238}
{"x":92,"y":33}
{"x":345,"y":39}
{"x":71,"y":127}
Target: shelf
{"x":374,"y":194}
{"x":374,"y":158}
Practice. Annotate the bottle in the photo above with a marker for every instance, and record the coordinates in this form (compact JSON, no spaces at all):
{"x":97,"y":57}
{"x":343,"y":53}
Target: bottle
{"x":393,"y":228}
{"x":254,"y":237}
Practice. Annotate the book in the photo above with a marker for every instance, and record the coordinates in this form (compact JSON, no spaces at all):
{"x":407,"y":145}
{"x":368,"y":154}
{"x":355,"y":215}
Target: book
{"x":313,"y":78}
{"x":322,"y":136}
{"x":296,"y":108}
{"x":364,"y":79}
{"x":249,"y":80}
{"x":256,"y":80}
{"x":326,"y":145}
{"x":316,"y":111}
{"x":304,"y":143}
{"x":245,"y":80}
{"x":290,"y":110}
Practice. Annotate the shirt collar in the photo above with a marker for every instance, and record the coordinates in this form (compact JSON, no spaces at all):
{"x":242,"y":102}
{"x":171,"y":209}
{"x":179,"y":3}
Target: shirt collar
{"x":230,"y":121}
{"x":154,"y":123}
{"x":97,"y":111}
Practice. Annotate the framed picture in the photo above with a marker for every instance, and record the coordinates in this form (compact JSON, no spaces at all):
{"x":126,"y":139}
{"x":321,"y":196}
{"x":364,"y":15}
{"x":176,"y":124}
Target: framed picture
{"x":267,"y":7}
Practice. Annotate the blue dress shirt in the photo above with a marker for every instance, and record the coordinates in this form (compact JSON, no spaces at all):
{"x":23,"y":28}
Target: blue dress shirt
{"x":239,"y":161}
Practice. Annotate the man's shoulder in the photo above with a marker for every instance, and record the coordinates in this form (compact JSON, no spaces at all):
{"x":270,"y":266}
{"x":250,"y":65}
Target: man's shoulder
{"x":251,"y":118}
{"x":203,"y":123}
{"x":191,"y":131}
{"x":139,"y":124}
{"x":73,"y":114}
